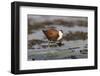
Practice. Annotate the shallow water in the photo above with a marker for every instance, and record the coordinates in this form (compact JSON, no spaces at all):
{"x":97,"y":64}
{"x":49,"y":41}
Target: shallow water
{"x":70,"y":50}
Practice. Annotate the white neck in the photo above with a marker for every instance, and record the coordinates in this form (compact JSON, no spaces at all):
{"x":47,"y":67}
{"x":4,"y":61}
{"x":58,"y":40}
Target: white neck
{"x":60,"y":35}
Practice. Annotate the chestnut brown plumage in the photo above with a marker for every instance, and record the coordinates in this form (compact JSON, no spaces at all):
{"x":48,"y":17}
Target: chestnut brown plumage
{"x":53,"y":35}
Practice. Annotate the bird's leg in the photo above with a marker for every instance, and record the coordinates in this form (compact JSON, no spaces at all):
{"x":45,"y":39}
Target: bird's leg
{"x":60,"y":41}
{"x":56,"y":42}
{"x":53,"y":43}
{"x":48,"y":43}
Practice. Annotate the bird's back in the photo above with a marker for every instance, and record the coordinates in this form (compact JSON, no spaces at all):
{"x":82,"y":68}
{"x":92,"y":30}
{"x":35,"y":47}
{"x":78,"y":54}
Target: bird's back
{"x":51,"y":34}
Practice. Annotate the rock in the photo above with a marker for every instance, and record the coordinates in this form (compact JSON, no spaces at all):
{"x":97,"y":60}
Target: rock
{"x":33,"y":59}
{"x":73,"y":57}
{"x":84,"y":51}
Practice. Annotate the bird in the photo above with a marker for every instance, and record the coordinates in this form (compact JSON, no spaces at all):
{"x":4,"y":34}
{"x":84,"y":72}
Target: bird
{"x":53,"y":35}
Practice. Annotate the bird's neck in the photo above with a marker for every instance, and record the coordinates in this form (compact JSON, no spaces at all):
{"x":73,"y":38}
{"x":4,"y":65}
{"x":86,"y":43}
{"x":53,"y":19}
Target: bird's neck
{"x":60,"y":35}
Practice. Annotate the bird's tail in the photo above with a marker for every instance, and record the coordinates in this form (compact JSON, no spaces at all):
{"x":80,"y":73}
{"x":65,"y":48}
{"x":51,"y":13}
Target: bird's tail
{"x":44,"y":31}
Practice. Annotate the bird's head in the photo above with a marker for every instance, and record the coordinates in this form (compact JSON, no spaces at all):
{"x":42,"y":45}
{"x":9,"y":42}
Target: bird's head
{"x":61,"y":31}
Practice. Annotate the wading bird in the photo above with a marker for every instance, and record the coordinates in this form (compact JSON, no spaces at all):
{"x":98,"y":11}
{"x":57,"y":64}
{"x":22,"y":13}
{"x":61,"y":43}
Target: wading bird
{"x":53,"y":35}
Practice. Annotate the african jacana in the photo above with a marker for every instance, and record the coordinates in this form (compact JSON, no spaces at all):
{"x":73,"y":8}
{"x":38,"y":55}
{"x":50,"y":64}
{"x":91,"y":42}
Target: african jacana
{"x":54,"y":35}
